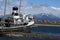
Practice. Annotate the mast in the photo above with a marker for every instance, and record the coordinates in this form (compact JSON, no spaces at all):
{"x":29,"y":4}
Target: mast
{"x":5,"y":2}
{"x":20,"y":6}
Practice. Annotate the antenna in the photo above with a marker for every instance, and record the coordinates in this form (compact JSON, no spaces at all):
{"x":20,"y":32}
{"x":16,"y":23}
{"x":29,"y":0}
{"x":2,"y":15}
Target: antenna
{"x":20,"y":6}
{"x":5,"y":1}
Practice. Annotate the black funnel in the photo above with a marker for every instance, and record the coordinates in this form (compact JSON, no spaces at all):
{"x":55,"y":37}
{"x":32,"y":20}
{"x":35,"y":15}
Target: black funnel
{"x":15,"y":8}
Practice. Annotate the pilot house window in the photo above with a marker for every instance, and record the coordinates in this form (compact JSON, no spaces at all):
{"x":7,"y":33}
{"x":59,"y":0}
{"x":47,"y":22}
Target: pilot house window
{"x":16,"y":14}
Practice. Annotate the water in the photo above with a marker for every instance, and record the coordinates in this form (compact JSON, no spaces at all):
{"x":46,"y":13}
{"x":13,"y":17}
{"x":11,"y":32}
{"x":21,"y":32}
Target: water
{"x":44,"y":30}
{"x":47,"y":30}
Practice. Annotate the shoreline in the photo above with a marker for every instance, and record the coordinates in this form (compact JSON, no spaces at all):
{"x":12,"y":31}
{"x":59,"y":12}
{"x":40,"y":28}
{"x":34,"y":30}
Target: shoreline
{"x":47,"y":25}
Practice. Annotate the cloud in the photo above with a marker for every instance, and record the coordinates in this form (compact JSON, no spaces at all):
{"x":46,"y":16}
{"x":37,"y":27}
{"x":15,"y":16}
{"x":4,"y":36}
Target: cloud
{"x":55,"y":8}
{"x":36,"y":9}
{"x":1,"y":0}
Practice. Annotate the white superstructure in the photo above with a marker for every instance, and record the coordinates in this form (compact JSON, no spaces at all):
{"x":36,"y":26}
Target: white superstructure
{"x":21,"y":18}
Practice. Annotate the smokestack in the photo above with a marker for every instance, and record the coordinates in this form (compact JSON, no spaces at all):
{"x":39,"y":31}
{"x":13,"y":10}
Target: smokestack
{"x":15,"y":9}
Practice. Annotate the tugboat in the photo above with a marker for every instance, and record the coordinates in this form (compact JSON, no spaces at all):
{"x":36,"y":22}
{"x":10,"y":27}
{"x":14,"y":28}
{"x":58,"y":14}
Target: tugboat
{"x":16,"y":21}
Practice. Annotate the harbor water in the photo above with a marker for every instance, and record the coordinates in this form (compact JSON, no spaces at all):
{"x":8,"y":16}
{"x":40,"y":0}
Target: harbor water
{"x":55,"y":31}
{"x":51,"y":30}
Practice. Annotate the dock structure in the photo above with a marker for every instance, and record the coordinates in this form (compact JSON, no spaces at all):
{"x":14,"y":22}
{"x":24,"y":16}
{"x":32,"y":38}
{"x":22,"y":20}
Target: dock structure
{"x":29,"y":35}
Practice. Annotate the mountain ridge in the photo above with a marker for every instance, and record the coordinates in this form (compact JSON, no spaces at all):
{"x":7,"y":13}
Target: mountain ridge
{"x":43,"y":16}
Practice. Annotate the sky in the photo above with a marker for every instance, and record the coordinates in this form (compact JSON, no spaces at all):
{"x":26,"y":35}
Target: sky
{"x":55,"y":3}
{"x":32,"y":6}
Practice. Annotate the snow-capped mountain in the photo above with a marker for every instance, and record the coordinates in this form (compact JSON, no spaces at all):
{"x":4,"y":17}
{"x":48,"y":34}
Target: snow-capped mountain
{"x":44,"y":16}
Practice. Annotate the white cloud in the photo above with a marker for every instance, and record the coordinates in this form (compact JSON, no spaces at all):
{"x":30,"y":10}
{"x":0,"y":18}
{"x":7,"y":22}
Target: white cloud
{"x":1,"y":0}
{"x":55,"y":8}
{"x":42,"y":9}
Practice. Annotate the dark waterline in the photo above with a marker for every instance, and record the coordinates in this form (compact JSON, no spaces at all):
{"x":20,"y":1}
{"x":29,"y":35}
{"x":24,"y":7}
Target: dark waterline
{"x":20,"y":38}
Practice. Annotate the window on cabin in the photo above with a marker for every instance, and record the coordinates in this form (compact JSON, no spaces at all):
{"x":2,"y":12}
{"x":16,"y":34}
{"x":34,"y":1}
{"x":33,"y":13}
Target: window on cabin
{"x":16,"y":14}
